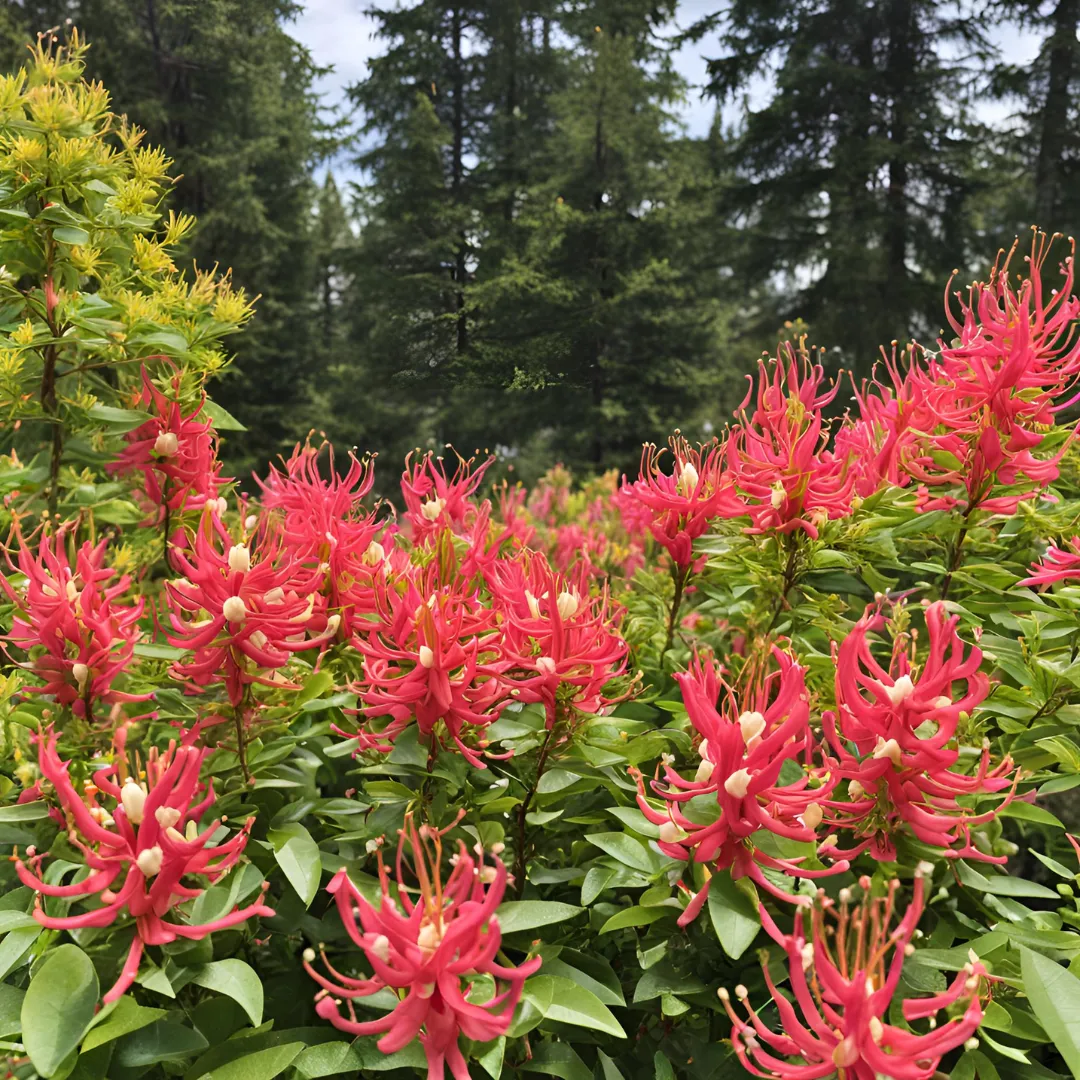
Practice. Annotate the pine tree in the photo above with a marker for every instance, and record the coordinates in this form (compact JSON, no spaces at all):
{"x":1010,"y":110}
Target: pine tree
{"x":854,"y":178}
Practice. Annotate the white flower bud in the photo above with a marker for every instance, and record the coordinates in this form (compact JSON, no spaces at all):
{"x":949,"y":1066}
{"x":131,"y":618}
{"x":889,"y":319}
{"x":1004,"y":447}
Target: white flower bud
{"x":191,"y":832}
{"x":250,"y":522}
{"x":309,"y":956}
{"x":427,"y":657}
{"x":855,"y":790}
{"x":166,"y":444}
{"x":813,"y":815}
{"x":221,"y":505}
{"x":670,"y":833}
{"x":887,"y":748}
{"x":381,"y":948}
{"x":877,"y":1029}
{"x":778,"y":496}
{"x":807,"y":954}
{"x":545,"y":664}
{"x":567,"y":604}
{"x":688,"y":480}
{"x":149,"y":860}
{"x":239,"y":559}
{"x":737,"y":783}
{"x":274,"y":596}
{"x":81,"y":673}
{"x":167,"y":816}
{"x":704,"y":771}
{"x":375,"y":553}
{"x":234,"y":609}
{"x":534,"y":604}
{"x":751,"y":724}
{"x":133,"y":799}
{"x":432,"y":509}
{"x":900,"y":690}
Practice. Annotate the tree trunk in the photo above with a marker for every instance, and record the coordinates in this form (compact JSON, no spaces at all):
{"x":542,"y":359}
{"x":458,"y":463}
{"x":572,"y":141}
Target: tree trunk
{"x":1053,"y":132}
{"x":900,"y":65}
{"x":458,"y":174}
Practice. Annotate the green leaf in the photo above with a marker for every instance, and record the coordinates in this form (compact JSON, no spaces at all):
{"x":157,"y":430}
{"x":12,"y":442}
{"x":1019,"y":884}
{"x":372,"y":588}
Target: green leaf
{"x":223,"y":420}
{"x":374,"y":1060}
{"x":1054,"y":993}
{"x":237,"y":980}
{"x":627,"y":850}
{"x":69,"y":234}
{"x":15,"y":920}
{"x":298,"y":856}
{"x":328,"y":1059}
{"x":58,"y":1007}
{"x":662,"y":1067}
{"x":609,"y":1068}
{"x":492,"y":1061}
{"x":14,"y":947}
{"x":11,"y":1000}
{"x":573,"y":1004}
{"x":517,"y":915}
{"x":633,"y":916}
{"x":1023,"y":811}
{"x":27,"y":811}
{"x":162,"y":1040}
{"x":157,"y":651}
{"x":557,"y":1059}
{"x":734,"y":915}
{"x":123,"y":1020}
{"x":1002,"y":884}
{"x":262,"y":1065}
{"x":119,"y":420}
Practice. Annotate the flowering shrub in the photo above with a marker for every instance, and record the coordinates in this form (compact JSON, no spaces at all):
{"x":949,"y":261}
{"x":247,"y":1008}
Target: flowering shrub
{"x":509,"y":781}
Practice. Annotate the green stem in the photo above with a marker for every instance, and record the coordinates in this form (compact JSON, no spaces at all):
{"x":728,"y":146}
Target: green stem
{"x":522,"y":855}
{"x":681,"y":574}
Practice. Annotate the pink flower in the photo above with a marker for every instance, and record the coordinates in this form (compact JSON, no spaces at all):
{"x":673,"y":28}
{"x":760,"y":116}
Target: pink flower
{"x":435,"y":501}
{"x":744,"y":746}
{"x":428,"y":951}
{"x":87,"y":636}
{"x":777,"y":459}
{"x":147,"y":836}
{"x":843,"y":980}
{"x":1058,"y":564}
{"x":241,"y":610}
{"x":894,"y":737}
{"x":561,"y":645}
{"x":176,"y":454}
{"x":432,"y":658}
{"x":324,"y":526}
{"x":683,"y":503}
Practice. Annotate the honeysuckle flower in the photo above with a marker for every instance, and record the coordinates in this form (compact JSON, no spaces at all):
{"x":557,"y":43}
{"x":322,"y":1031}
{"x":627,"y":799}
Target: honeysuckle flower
{"x":893,"y":738}
{"x":175,"y":454}
{"x":325,"y":527}
{"x":142,"y":834}
{"x":776,"y":457}
{"x":242,"y":611}
{"x":561,"y":644}
{"x":435,"y":501}
{"x":746,"y":740}
{"x":1058,"y":564}
{"x":432,"y":658}
{"x":432,"y":944}
{"x":843,"y":980}
{"x":75,"y":616}
{"x":684,"y":502}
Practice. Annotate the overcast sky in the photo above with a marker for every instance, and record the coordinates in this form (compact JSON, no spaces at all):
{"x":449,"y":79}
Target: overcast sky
{"x":340,"y":36}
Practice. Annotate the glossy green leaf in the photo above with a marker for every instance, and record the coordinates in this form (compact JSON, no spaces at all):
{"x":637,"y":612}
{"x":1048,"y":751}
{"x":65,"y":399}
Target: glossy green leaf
{"x":734,"y":915}
{"x":328,"y":1059}
{"x":58,"y":1007}
{"x":262,"y":1065}
{"x":17,"y":812}
{"x":123,"y":1020}
{"x":557,"y":1059}
{"x":298,"y":856}
{"x":517,"y":915}
{"x":1054,"y":993}
{"x":634,"y":916}
{"x":163,"y":1040}
{"x":236,"y":979}
{"x":573,"y":1004}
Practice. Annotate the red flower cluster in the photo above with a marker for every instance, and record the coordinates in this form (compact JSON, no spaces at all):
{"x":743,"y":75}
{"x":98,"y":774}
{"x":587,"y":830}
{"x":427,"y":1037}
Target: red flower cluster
{"x":175,"y":454}
{"x":894,"y":741}
{"x":147,"y":836}
{"x":242,"y":610}
{"x":429,"y":951}
{"x":1058,"y":564}
{"x":843,"y":979}
{"x":74,"y":616}
{"x":747,"y":740}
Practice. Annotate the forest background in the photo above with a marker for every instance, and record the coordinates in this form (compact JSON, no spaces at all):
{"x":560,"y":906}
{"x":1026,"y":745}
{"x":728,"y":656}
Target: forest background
{"x":504,"y":237}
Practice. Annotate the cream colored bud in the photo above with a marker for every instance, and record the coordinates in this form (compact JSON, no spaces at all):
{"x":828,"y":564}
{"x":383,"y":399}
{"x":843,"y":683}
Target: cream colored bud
{"x":71,"y":590}
{"x":545,"y":664}
{"x":250,"y":522}
{"x":751,"y":724}
{"x":432,"y":509}
{"x":723,"y":994}
{"x":778,"y":496}
{"x":813,"y":815}
{"x":429,"y":937}
{"x":972,"y":1044}
{"x":741,"y":992}
{"x":375,"y":553}
{"x":704,"y":771}
{"x":133,"y":799}
{"x":737,"y":783}
{"x":688,"y":480}
{"x":900,"y":690}
{"x":942,"y":702}
{"x":888,"y":748}
{"x":807,"y":954}
{"x":167,"y":816}
{"x":81,"y":673}
{"x":149,"y":860}
{"x":567,"y":604}
{"x":488,"y":874}
{"x":258,"y":639}
{"x":239,"y":559}
{"x":670,"y":833}
{"x":427,"y":657}
{"x":534,"y":604}
{"x":855,"y":790}
{"x":877,"y":1030}
{"x":924,"y":869}
{"x":166,"y":444}
{"x":221,"y":505}
{"x":309,"y":956}
{"x":234,"y":609}
{"x":381,"y":948}
{"x":274,"y":596}
{"x":101,"y":816}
